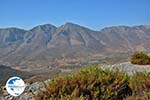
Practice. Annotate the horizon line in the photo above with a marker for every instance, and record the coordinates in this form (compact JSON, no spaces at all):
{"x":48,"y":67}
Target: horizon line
{"x":57,"y":26}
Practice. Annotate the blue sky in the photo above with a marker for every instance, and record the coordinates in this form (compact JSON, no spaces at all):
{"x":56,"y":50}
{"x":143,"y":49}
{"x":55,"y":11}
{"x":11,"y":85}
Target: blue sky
{"x":94,"y":14}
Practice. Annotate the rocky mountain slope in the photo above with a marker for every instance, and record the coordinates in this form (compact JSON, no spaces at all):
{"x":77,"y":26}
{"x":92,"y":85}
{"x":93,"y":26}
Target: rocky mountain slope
{"x":43,"y":42}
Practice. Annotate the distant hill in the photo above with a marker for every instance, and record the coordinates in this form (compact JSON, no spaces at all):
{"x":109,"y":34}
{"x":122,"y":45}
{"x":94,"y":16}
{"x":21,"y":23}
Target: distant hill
{"x":7,"y":72}
{"x":18,"y":46}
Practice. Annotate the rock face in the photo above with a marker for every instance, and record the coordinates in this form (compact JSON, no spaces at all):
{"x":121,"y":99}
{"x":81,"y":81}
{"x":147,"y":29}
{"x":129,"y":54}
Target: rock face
{"x":128,"y":67}
{"x":18,"y":46}
{"x":30,"y":91}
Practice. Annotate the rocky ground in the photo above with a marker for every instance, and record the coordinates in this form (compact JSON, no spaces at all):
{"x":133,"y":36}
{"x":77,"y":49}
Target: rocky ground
{"x":128,"y":67}
{"x":32,"y":89}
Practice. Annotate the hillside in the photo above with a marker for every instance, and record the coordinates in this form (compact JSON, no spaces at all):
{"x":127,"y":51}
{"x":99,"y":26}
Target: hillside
{"x":39,"y":45}
{"x":7,"y":72}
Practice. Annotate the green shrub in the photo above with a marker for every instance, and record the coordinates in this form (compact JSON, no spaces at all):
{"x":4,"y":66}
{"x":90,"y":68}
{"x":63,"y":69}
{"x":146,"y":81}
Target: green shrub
{"x":89,"y":84}
{"x":97,"y":84}
{"x":140,"y":85}
{"x":140,"y":58}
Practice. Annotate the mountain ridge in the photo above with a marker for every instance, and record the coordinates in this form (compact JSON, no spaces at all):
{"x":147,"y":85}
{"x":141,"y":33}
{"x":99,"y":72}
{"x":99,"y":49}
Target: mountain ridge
{"x":130,"y":26}
{"x":48,"y":41}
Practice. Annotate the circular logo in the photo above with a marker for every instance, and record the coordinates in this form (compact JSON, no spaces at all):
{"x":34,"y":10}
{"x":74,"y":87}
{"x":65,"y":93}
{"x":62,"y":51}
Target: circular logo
{"x":15,"y":86}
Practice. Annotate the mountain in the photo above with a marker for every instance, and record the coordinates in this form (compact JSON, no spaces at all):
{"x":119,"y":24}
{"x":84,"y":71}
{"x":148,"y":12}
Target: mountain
{"x":43,"y":42}
{"x":10,"y":39}
{"x":124,"y":38}
{"x":74,"y":38}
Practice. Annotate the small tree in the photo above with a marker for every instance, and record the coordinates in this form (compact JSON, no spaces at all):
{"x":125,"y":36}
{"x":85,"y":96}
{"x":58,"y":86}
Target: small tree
{"x":140,"y":58}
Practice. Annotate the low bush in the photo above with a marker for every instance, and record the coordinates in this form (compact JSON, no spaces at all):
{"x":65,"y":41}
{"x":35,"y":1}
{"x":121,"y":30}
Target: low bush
{"x":97,"y":84}
{"x":140,"y":58}
{"x":88,"y":84}
{"x":140,"y":85}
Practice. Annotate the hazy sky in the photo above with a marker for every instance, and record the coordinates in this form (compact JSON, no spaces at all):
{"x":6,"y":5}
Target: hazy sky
{"x":94,"y":14}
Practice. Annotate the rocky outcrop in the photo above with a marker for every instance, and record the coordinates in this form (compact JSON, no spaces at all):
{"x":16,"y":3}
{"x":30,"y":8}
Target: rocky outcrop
{"x":128,"y":67}
{"x":31,"y":90}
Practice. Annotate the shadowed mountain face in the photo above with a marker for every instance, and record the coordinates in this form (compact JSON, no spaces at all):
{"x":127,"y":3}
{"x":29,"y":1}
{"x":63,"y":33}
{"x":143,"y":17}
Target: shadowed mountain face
{"x":7,"y":72}
{"x":46,"y":41}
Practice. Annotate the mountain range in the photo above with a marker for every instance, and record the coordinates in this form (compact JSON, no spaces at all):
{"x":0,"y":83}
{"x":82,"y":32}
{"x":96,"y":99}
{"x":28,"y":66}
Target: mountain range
{"x":43,"y":42}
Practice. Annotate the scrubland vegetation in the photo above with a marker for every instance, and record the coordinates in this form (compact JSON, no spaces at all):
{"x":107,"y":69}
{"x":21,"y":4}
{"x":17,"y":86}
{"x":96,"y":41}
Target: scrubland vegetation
{"x":140,"y":58}
{"x":97,"y":84}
